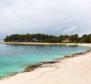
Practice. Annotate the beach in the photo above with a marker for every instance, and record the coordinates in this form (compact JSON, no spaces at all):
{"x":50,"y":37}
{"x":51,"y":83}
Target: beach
{"x":45,"y":42}
{"x":74,"y":69}
{"x":41,"y":43}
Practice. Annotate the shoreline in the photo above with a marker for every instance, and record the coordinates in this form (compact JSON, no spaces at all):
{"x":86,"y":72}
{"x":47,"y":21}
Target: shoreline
{"x":39,"y":65}
{"x":48,"y":44}
{"x":33,"y":68}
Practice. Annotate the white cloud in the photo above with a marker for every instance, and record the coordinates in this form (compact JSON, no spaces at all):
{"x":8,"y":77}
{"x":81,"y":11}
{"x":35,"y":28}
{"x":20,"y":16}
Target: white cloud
{"x":45,"y":16}
{"x":70,"y":30}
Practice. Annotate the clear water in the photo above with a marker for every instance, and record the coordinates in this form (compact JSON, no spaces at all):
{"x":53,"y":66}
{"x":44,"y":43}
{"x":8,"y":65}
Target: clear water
{"x":15,"y":58}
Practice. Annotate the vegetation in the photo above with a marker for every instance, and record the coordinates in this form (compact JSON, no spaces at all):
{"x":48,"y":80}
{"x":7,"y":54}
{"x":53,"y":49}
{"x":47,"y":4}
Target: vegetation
{"x":48,"y":38}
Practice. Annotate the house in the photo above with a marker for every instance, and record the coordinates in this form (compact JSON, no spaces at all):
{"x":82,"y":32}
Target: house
{"x":66,"y":40}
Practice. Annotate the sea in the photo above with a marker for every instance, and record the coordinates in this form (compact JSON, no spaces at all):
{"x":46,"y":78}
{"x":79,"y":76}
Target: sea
{"x":16,"y":58}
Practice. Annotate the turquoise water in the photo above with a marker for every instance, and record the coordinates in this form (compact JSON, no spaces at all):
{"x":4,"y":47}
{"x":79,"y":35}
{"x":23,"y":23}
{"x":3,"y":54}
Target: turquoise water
{"x":15,"y":58}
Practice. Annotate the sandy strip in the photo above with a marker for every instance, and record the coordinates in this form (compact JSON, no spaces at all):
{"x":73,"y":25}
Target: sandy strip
{"x":71,"y":70}
{"x":41,"y":43}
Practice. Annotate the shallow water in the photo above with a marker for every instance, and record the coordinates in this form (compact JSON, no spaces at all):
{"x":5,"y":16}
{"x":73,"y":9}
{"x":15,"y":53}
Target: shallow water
{"x":15,"y":58}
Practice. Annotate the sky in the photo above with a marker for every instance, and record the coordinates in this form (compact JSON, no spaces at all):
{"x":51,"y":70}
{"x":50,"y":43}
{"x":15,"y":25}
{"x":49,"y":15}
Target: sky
{"x":45,"y":16}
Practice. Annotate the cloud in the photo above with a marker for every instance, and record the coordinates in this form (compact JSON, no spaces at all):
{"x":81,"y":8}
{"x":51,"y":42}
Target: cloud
{"x":45,"y":16}
{"x":70,"y":30}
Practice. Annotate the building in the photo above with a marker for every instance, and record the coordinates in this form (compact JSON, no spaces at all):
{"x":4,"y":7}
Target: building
{"x":66,"y":40}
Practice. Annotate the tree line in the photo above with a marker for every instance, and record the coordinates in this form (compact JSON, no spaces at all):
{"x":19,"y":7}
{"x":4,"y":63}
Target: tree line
{"x":48,"y":38}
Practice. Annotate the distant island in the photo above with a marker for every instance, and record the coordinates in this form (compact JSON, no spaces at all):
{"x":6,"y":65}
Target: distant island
{"x":48,"y":38}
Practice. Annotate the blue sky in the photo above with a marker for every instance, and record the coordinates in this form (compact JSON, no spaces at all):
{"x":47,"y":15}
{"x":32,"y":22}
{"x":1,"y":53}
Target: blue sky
{"x":45,"y":16}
